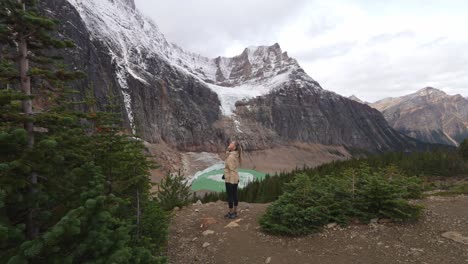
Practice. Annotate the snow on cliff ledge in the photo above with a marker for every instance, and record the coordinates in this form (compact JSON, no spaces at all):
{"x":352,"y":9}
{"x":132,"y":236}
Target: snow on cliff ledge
{"x":131,"y":37}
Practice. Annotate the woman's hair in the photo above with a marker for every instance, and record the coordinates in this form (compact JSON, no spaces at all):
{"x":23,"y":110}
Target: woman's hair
{"x":239,"y":151}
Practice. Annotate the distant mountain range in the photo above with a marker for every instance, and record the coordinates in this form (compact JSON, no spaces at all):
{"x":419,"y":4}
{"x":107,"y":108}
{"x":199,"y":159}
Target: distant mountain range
{"x":429,"y":115}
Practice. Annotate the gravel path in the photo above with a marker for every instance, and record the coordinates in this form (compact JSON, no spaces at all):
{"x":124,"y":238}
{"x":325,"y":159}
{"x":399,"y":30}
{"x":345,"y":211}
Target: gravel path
{"x":198,"y":234}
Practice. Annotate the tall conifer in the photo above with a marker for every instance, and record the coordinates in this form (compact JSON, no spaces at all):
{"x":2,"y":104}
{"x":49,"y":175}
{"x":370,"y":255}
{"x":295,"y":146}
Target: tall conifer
{"x":28,"y":34}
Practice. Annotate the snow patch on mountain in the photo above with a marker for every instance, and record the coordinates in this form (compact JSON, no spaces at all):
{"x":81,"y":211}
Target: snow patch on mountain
{"x":195,"y":64}
{"x":237,"y":124}
{"x":228,"y":96}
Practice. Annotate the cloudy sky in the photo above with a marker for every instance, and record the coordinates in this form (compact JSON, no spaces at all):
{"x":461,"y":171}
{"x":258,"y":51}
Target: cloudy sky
{"x":370,"y":48}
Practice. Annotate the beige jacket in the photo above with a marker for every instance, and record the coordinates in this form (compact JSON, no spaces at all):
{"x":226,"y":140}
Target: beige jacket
{"x":230,"y":167}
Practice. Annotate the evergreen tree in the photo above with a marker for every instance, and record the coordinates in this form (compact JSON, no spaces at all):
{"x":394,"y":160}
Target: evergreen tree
{"x":73,"y":187}
{"x":92,"y":197}
{"x":21,"y":27}
{"x":173,"y":191}
{"x":311,"y":201}
{"x":463,"y":149}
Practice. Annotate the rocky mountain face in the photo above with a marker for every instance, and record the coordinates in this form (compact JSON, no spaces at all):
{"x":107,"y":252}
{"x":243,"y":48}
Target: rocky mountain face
{"x":193,"y":103}
{"x":309,"y":115}
{"x":123,"y":55}
{"x":355,"y":98}
{"x":429,"y":115}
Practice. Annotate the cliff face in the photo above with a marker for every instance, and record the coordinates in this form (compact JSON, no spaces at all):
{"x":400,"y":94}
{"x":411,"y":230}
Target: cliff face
{"x":299,"y":112}
{"x":191,"y":102}
{"x":158,"y":101}
{"x":429,"y":115}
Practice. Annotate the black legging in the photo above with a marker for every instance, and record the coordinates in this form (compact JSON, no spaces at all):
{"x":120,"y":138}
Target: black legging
{"x":231,"y":190}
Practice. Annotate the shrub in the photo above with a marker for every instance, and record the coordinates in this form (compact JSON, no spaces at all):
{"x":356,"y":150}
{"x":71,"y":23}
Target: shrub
{"x":173,"y":191}
{"x":309,"y":202}
{"x":306,"y":205}
{"x":463,"y":149}
{"x":380,"y":196}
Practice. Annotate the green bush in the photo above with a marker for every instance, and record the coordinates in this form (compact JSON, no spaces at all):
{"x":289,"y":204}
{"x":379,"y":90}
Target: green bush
{"x":173,"y":191}
{"x":310,"y":202}
{"x":307,"y":204}
{"x":378,"y":196}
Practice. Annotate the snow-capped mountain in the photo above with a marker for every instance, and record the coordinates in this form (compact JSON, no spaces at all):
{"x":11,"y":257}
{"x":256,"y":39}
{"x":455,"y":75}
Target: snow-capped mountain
{"x":429,"y":115}
{"x":131,"y":37}
{"x":192,"y":102}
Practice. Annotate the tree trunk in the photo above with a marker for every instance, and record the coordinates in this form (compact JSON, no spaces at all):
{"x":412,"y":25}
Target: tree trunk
{"x":7,"y":84}
{"x":109,"y":174}
{"x":354,"y":183}
{"x":25,"y":85}
{"x":138,"y":213}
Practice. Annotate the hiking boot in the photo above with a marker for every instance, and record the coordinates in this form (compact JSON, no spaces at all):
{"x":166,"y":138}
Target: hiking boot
{"x":232,"y":216}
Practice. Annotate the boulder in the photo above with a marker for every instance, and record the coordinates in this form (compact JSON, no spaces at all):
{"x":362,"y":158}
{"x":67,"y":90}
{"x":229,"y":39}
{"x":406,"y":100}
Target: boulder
{"x":232,"y":224}
{"x":456,"y":236}
{"x":207,"y":221}
{"x":208,"y":232}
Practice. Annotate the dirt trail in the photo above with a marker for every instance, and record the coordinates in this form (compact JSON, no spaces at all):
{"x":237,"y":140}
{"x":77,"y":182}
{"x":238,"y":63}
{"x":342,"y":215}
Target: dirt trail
{"x":419,"y":242}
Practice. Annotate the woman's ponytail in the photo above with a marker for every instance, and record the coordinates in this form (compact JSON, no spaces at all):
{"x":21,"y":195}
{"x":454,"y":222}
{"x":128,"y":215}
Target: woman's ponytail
{"x":239,"y":152}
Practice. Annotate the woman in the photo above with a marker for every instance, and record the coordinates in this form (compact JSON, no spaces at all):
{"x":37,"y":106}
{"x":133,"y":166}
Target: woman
{"x":231,"y":177}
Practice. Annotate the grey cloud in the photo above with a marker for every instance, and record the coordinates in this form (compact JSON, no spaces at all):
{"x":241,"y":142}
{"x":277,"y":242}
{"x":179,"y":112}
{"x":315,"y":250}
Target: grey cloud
{"x":327,"y":52}
{"x":434,"y":42}
{"x":377,"y":76}
{"x":209,"y":26}
{"x":388,"y":37}
{"x":321,"y":24}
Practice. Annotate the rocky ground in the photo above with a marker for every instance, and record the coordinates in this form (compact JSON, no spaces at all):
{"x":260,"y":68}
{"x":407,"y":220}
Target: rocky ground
{"x":200,"y":234}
